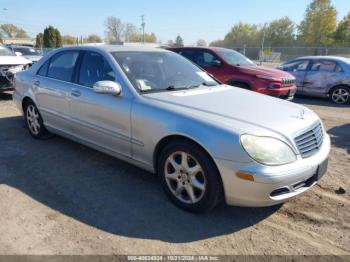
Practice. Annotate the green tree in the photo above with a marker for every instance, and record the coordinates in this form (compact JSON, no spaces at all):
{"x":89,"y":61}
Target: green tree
{"x":149,"y":38}
{"x":342,"y":33}
{"x":12,"y":31}
{"x":319,"y":23}
{"x":58,"y":38}
{"x":49,"y":38}
{"x":280,"y":32}
{"x":130,"y":30}
{"x":93,"y":39}
{"x":39,"y":43}
{"x":243,"y":34}
{"x":179,"y":42}
{"x":68,"y":40}
{"x":201,"y":42}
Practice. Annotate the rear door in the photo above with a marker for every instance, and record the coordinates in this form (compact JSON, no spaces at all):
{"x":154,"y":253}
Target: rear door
{"x":323,"y":73}
{"x":100,"y":119}
{"x":52,"y":85}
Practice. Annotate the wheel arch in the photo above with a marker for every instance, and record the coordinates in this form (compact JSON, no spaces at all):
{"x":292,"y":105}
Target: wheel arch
{"x":338,"y":85}
{"x":239,"y":81}
{"x":25,"y":100}
{"x":176,"y":137}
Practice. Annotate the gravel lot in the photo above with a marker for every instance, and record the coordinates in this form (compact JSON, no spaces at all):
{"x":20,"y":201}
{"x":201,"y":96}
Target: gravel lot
{"x":59,"y":197}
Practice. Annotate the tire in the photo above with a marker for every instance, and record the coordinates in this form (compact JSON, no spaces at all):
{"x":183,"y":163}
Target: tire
{"x":340,"y":95}
{"x":200,"y":174}
{"x":34,"y":121}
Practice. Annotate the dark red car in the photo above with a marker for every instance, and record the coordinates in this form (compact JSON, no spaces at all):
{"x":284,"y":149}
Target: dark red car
{"x":233,"y":68}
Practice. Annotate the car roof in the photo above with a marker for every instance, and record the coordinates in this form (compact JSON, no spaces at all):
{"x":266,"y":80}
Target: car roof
{"x":213,"y":48}
{"x":336,"y":58}
{"x":114,"y":48}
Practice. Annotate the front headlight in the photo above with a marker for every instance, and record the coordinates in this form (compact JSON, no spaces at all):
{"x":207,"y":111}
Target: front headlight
{"x":268,"y":150}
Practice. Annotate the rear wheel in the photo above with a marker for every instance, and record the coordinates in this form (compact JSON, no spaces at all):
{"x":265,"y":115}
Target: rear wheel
{"x":189,"y":177}
{"x":340,"y":95}
{"x":34,"y":121}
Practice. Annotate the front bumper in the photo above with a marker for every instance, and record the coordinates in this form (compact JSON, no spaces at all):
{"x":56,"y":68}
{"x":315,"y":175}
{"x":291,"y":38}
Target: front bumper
{"x":283,"y":92}
{"x":272,"y":184}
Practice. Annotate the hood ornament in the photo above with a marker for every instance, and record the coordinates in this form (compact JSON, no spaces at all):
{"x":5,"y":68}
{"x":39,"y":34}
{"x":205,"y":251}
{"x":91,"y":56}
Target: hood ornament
{"x":301,"y":115}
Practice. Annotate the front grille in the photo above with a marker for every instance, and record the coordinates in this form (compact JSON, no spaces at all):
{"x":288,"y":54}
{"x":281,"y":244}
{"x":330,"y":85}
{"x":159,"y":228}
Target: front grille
{"x":310,"y":142}
{"x":288,"y":81}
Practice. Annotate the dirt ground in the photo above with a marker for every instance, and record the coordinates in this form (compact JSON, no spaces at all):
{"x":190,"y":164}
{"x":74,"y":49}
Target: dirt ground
{"x":59,"y":197}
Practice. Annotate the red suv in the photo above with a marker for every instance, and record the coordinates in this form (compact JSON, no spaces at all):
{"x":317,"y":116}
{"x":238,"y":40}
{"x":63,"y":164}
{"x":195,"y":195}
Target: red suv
{"x":233,"y":68}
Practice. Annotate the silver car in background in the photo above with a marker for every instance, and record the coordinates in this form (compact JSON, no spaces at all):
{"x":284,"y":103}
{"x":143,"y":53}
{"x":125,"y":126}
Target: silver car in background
{"x":321,"y":76}
{"x":155,"y":109}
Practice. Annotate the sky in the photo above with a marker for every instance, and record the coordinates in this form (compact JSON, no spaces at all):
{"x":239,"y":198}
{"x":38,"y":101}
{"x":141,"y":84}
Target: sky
{"x":192,"y":19}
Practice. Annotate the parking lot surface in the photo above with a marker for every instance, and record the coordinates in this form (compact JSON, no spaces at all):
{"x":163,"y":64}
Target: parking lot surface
{"x":60,"y":197}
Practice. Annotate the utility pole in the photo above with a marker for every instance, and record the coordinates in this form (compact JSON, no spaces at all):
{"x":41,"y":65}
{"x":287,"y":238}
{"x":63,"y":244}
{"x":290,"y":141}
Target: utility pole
{"x":143,"y":25}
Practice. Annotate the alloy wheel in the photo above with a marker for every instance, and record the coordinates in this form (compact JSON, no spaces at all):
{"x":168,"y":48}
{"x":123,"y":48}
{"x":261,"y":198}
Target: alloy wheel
{"x":340,"y":96}
{"x":185,"y":177}
{"x":32,"y":116}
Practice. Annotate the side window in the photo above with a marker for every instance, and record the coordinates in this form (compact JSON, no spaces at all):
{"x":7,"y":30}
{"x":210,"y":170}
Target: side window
{"x":208,"y":58}
{"x":94,"y":68}
{"x":189,"y":55}
{"x":62,"y":65}
{"x":324,"y":66}
{"x":43,"y":69}
{"x":300,"y":65}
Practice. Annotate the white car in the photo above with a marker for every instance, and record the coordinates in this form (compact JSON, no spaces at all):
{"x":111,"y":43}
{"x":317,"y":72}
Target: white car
{"x":10,"y":64}
{"x":26,"y":51}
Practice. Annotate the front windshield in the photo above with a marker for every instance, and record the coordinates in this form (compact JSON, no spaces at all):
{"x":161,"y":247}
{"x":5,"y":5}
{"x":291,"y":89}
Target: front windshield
{"x":234,"y":58}
{"x":4,"y":51}
{"x":26,"y":50}
{"x":160,"y":71}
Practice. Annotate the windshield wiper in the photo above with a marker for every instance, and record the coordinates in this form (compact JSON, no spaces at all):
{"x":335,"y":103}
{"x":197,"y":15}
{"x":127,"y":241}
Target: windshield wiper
{"x":172,"y":87}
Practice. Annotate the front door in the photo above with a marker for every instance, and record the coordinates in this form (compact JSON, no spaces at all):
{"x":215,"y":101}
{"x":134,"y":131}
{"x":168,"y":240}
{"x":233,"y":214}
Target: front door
{"x":100,"y":119}
{"x":298,"y":69}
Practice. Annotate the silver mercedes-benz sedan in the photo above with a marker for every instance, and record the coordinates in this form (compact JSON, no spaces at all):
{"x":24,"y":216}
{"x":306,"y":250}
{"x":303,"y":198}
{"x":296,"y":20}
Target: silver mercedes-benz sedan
{"x":155,"y":109}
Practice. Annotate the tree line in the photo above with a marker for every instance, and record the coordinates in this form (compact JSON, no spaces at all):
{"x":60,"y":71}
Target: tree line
{"x":318,"y":28}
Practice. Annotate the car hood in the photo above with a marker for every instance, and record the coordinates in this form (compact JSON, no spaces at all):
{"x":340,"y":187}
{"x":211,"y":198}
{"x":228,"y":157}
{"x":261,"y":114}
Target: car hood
{"x":33,"y":58}
{"x":266,"y":71}
{"x":239,"y":110}
{"x":13,"y":60}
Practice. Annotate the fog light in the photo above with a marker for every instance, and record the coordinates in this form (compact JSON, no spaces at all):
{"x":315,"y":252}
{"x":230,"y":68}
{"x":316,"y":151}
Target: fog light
{"x":244,"y":176}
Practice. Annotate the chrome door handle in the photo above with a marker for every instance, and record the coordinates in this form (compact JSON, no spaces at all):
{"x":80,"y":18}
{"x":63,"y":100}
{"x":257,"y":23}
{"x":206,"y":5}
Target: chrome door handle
{"x":75,"y":93}
{"x":36,"y":82}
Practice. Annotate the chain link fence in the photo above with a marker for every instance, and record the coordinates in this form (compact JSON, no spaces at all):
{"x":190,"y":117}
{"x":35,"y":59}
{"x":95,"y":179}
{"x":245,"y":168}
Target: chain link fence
{"x":281,"y":54}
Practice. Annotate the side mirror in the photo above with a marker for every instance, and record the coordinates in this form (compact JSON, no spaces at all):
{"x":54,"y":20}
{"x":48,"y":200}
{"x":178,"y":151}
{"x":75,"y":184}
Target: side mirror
{"x":216,"y":63}
{"x":107,"y":87}
{"x":18,"y":54}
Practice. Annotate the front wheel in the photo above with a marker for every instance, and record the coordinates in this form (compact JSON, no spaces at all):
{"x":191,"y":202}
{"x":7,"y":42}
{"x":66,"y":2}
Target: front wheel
{"x":34,"y":121}
{"x":340,"y":95}
{"x":189,"y":177}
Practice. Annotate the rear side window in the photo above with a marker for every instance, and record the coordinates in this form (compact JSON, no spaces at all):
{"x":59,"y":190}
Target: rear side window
{"x":43,"y":69}
{"x":94,"y":68}
{"x":324,"y":66}
{"x":62,"y":65}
